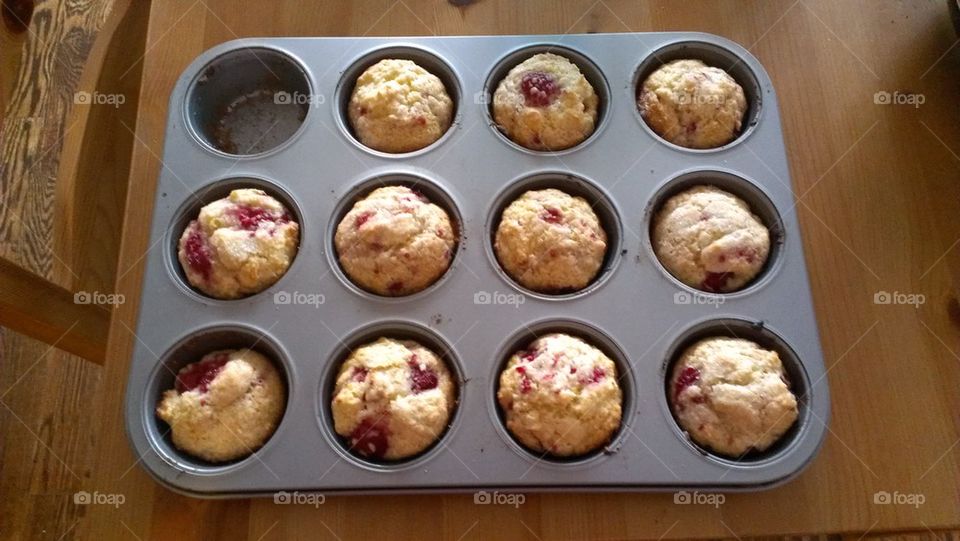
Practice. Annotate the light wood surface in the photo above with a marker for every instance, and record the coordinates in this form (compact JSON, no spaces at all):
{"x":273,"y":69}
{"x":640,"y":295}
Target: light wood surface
{"x":877,"y":201}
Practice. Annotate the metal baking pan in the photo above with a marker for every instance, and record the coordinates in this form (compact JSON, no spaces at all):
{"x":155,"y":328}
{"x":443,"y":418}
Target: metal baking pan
{"x":303,"y":152}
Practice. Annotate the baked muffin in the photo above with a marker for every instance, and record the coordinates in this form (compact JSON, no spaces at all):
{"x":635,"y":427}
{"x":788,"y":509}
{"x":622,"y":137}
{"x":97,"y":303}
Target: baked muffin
{"x":545,"y":103}
{"x":395,"y":242}
{"x":731,"y":396}
{"x":397,"y":106}
{"x":550,"y":241}
{"x":225,"y":406}
{"x":239,"y":245}
{"x":393,"y":399}
{"x":561,"y":396}
{"x":708,"y":239}
{"x":692,"y":104}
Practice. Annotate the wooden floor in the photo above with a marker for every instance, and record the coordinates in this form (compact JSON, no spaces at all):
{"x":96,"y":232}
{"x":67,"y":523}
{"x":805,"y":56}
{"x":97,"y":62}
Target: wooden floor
{"x":52,"y":404}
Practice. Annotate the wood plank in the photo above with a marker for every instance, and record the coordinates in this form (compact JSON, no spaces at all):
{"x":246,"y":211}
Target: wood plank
{"x":35,"y":307}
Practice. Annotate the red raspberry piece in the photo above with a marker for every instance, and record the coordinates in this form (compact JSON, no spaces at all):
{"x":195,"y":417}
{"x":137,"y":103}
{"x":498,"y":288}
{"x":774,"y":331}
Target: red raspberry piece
{"x":198,"y":253}
{"x":597,"y":375}
{"x":528,"y":355}
{"x":370,"y":439}
{"x":250,"y":218}
{"x":421,"y":379}
{"x":539,"y":89}
{"x":525,"y":385}
{"x":715,"y":281}
{"x":359,"y":374}
{"x":552,"y":215}
{"x":688,"y":376}
{"x":199,"y":375}
{"x":362,"y":219}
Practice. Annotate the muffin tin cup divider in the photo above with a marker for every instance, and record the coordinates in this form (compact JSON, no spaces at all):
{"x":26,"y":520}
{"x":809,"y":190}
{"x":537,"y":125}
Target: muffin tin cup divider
{"x":637,"y":306}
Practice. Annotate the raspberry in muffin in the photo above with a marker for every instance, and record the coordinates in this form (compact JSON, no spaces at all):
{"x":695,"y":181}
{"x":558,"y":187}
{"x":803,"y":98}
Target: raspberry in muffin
{"x":709,"y":239}
{"x":692,"y":104}
{"x":393,"y":399}
{"x":224,"y":406}
{"x":545,"y":103}
{"x":238,"y":245}
{"x":550,"y":241}
{"x":731,"y":396}
{"x":397,"y":106}
{"x":395,"y":242}
{"x":561,"y":396}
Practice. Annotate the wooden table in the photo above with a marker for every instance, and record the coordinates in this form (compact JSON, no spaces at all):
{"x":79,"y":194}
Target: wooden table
{"x":877,"y":198}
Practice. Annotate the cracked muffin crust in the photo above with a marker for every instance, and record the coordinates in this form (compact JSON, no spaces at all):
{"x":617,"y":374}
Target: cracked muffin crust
{"x":709,"y":239}
{"x":393,"y":399}
{"x":225,"y":406}
{"x":545,"y":103}
{"x":692,"y":104}
{"x":731,"y":396}
{"x":397,"y":106}
{"x":550,"y":241}
{"x":561,"y":396}
{"x":395,"y":242}
{"x":238,"y":245}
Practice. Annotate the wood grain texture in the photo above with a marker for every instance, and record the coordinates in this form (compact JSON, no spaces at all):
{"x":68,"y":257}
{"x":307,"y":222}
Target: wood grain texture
{"x":49,"y":60}
{"x":877,"y":201}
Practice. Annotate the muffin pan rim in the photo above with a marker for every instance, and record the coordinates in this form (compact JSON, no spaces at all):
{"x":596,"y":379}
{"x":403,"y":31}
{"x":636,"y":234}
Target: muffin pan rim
{"x":589,"y":333}
{"x":754,"y":105}
{"x":181,"y":460}
{"x":365,"y":334}
{"x":184,"y":215}
{"x":190,"y":125}
{"x":554,"y":178}
{"x":801,"y":387}
{"x":341,"y":95}
{"x":363,"y":187}
{"x":669,"y":187}
{"x":645,"y":475}
{"x":499,"y":69}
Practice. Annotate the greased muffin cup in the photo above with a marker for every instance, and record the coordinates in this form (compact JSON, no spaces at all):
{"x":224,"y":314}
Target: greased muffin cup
{"x":321,"y":322}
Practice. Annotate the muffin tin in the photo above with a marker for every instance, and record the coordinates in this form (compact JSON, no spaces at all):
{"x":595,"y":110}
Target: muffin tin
{"x":271,"y":113}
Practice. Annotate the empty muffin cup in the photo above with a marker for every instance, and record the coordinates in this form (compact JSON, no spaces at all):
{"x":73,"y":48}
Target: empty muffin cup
{"x":248,"y":101}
